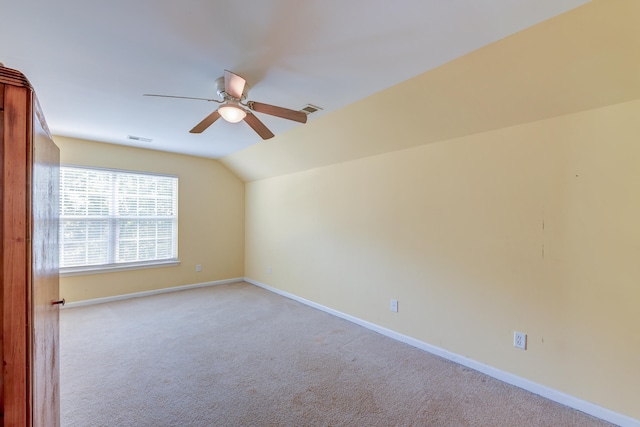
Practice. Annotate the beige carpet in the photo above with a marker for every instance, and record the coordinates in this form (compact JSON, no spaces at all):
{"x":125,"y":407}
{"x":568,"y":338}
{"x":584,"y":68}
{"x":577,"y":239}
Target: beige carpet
{"x":237,"y":355}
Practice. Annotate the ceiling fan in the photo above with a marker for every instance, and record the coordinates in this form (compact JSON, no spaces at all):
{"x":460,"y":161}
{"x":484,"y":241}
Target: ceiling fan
{"x":233,"y":90}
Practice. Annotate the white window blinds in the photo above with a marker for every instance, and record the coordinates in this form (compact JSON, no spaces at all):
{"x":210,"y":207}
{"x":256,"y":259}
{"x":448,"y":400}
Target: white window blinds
{"x":111,"y":217}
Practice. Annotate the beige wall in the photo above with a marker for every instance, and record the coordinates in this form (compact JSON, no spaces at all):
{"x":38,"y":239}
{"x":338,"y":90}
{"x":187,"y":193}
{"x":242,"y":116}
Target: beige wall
{"x":534,"y":228}
{"x":210,"y":220}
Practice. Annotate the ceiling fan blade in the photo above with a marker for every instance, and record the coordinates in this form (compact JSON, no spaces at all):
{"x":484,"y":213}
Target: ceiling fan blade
{"x":233,"y":84}
{"x":272,"y":110}
{"x":258,"y":126}
{"x":208,"y":121}
{"x":182,"y":97}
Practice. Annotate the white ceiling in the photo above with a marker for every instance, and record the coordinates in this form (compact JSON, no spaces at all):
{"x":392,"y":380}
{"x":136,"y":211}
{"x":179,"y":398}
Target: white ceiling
{"x":90,"y":62}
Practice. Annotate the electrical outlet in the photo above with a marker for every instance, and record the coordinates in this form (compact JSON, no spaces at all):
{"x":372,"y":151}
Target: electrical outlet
{"x":269,"y":269}
{"x":198,"y":267}
{"x":393,"y":305}
{"x":520,"y":340}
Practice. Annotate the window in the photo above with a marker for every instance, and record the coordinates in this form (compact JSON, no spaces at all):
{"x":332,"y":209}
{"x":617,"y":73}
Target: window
{"x":110,"y":219}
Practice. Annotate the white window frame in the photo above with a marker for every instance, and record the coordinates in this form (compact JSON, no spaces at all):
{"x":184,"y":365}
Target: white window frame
{"x":112,"y":219}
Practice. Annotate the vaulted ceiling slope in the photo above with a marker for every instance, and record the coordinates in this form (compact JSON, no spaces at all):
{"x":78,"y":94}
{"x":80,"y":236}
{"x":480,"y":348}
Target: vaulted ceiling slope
{"x":586,"y":58}
{"x":91,"y":62}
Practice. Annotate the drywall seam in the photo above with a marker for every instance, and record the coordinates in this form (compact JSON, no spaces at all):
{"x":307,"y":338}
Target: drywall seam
{"x":541,"y":390}
{"x":149,"y":293}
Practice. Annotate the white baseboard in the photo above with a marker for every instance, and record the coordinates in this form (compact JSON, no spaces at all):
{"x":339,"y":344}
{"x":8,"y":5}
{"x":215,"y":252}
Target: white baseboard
{"x":148,"y":293}
{"x":547,"y":392}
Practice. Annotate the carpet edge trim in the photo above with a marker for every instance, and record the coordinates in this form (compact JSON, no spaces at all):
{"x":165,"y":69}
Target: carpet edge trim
{"x":149,"y":293}
{"x":523,"y":383}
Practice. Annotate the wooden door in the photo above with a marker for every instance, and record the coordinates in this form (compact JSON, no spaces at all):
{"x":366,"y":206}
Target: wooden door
{"x":29,"y":281}
{"x":45,"y":193}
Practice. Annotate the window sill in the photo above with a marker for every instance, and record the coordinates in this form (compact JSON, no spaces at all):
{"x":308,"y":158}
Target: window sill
{"x":112,"y":268}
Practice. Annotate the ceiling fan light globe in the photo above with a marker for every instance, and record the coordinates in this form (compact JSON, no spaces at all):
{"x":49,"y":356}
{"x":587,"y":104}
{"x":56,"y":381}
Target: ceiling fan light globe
{"x":232,"y":113}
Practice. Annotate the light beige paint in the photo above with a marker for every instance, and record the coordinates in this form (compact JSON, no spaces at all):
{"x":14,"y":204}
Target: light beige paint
{"x":580,"y":60}
{"x":495,"y":193}
{"x":210,"y":220}
{"x":533,"y":228}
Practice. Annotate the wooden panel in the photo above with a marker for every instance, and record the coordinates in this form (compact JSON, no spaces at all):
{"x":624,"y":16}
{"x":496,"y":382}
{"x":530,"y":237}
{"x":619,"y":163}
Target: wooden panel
{"x":29,"y":168}
{"x":1,"y":250}
{"x":44,"y":266}
{"x":16,"y":248}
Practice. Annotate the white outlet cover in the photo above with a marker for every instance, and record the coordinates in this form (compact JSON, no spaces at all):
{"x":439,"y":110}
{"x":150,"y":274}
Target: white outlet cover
{"x":393,"y":305}
{"x":520,"y":340}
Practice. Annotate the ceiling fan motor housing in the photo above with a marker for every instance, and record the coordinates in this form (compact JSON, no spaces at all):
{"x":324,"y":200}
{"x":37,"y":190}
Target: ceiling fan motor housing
{"x":224,"y":95}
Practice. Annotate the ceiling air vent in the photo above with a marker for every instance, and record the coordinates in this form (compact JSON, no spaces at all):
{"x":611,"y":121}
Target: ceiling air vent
{"x":310,"y":109}
{"x":138,"y":138}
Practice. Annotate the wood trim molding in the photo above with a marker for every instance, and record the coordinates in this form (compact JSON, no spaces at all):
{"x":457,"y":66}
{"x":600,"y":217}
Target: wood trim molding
{"x":149,"y":293}
{"x":14,"y":78}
